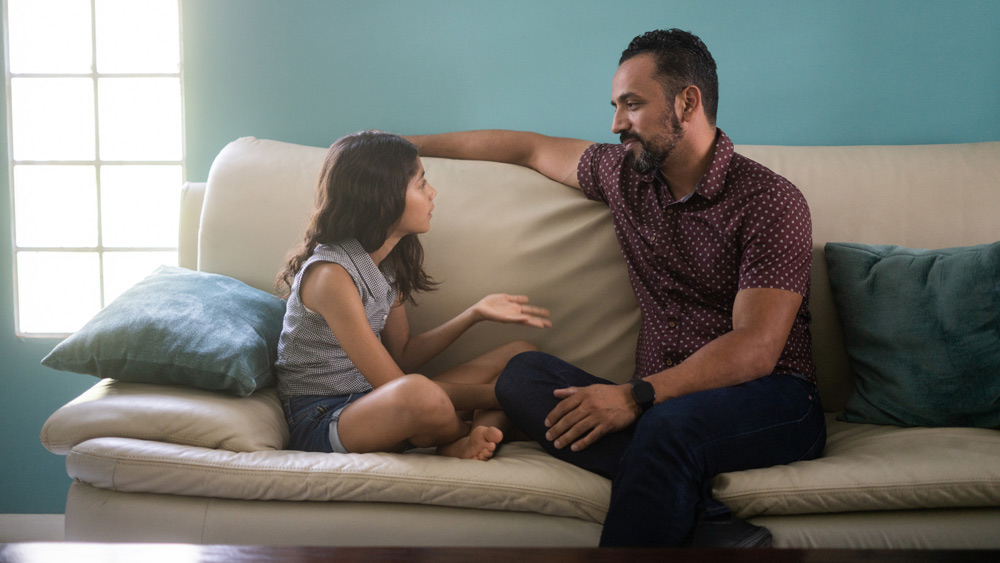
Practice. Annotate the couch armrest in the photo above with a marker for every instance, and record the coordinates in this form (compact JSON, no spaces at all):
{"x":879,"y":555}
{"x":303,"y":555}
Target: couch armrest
{"x":192,"y":196}
{"x":169,"y":413}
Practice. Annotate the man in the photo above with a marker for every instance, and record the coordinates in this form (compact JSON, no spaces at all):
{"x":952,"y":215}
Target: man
{"x":718,"y":250}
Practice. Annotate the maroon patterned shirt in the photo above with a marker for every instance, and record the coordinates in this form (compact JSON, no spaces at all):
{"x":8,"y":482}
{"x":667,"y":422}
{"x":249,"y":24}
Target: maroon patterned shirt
{"x":743,"y":227}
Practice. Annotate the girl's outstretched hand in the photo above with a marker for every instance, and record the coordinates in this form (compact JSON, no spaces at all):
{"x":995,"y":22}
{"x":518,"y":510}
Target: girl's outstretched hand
{"x":504,"y":308}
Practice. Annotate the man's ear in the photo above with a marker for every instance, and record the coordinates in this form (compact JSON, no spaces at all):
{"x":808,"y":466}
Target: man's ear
{"x":689,"y":102}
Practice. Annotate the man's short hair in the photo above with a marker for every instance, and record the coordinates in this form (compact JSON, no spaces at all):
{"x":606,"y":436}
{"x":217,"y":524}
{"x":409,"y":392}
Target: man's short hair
{"x":682,"y":59}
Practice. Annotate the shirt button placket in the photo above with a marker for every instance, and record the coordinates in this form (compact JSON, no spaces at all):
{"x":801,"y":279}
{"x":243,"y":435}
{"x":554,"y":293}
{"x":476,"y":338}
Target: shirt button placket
{"x":670,"y":337}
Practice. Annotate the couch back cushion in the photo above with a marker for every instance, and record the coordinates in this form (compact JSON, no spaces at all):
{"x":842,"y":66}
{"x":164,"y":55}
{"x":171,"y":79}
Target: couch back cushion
{"x":924,"y":196}
{"x":502,"y":228}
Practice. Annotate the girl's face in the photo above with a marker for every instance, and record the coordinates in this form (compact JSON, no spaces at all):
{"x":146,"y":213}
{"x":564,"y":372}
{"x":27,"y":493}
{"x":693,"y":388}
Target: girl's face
{"x":419,"y":204}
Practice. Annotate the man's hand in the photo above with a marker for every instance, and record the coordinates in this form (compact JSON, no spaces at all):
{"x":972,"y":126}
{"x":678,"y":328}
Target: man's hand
{"x":585,"y":414}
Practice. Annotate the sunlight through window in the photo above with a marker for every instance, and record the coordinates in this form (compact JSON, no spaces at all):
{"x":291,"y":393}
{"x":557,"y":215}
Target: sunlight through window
{"x":96,"y":152}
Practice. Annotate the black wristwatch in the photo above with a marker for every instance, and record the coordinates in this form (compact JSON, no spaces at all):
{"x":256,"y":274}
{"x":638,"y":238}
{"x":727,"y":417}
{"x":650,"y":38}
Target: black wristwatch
{"x":643,"y":393}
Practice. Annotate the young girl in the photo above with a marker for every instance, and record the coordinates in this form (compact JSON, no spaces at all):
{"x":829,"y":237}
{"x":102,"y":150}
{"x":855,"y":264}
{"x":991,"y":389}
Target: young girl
{"x":346,"y":358}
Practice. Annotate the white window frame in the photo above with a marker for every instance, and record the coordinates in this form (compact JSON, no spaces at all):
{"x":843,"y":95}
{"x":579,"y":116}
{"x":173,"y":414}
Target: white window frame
{"x":97,"y":162}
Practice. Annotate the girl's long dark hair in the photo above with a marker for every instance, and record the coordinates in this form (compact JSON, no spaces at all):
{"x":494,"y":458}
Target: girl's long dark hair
{"x":361,"y":195}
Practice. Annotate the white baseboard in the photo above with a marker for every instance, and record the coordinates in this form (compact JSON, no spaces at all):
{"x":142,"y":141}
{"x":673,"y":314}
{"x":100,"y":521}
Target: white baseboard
{"x":31,"y":527}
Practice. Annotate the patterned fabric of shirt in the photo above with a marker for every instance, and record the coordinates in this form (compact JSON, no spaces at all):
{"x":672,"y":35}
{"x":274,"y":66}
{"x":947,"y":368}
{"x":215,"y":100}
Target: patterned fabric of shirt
{"x":743,"y":227}
{"x":310,"y":360}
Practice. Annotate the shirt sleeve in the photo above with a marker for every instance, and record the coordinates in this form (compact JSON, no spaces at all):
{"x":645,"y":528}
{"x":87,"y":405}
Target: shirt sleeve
{"x":777,"y":252}
{"x":599,"y":170}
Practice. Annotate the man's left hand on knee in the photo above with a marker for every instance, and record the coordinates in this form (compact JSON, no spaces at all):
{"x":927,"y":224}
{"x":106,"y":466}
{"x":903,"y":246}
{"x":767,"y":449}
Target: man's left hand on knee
{"x":585,"y":414}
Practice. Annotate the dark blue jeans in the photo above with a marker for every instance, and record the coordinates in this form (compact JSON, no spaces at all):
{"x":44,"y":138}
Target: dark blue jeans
{"x":661,"y":467}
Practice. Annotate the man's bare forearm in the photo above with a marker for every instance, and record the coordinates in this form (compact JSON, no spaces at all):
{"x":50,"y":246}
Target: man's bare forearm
{"x":555,"y":157}
{"x":513,"y":147}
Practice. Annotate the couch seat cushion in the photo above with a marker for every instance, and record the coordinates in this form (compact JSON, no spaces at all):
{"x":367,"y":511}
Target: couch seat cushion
{"x":871,"y":467}
{"x":521,"y":477}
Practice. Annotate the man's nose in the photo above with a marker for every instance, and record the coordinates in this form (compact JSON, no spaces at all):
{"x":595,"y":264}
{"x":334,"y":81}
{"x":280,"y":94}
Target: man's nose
{"x":619,"y":123}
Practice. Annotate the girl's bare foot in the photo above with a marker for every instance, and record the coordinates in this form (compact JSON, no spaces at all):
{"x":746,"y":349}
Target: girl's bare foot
{"x":479,"y":444}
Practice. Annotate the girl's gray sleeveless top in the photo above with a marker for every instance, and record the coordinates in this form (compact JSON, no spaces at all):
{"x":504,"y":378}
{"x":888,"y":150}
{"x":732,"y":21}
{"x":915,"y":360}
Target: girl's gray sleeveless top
{"x":310,"y":360}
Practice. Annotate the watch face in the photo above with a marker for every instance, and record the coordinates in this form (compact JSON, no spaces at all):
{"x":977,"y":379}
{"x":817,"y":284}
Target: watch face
{"x":642,"y":392}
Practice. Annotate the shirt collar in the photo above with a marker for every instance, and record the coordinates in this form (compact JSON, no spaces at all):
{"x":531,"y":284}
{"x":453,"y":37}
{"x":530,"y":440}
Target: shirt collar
{"x":714,"y":179}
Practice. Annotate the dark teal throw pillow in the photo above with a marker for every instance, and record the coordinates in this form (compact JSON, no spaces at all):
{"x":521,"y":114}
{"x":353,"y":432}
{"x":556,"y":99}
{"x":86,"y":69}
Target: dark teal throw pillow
{"x":180,"y":327}
{"x":922,"y":330}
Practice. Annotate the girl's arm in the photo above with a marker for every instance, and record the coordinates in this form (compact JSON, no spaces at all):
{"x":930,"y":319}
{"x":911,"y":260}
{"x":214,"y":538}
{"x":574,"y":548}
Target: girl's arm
{"x":412,"y":352}
{"x":329,"y":290}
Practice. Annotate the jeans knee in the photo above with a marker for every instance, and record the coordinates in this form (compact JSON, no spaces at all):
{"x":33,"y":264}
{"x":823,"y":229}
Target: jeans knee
{"x":503,"y":355}
{"x":527,"y":360}
{"x":518,"y":372}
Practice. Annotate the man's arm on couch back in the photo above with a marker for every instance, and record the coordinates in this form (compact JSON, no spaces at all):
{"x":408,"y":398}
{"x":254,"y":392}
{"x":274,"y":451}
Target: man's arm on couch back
{"x":555,"y":157}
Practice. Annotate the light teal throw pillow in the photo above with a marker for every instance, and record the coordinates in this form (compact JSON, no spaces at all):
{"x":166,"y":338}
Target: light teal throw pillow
{"x":180,"y":327}
{"x":922,"y":330}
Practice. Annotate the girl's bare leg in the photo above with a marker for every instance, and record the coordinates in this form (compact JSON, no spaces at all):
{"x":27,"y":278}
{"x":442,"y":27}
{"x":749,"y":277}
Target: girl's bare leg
{"x":415,"y":410}
{"x":471,"y":386}
{"x":487,"y":367}
{"x":422,"y":412}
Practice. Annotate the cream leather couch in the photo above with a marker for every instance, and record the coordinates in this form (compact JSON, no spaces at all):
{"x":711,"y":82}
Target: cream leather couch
{"x":172,"y":464}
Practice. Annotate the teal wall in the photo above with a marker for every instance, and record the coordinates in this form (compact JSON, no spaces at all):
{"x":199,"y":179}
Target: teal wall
{"x":792,"y":72}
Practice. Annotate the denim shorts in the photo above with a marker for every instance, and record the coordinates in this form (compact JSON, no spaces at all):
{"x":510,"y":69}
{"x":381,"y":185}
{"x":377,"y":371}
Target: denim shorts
{"x":312,"y":421}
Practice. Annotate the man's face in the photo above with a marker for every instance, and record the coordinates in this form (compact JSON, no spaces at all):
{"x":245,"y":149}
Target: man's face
{"x":645,"y":121}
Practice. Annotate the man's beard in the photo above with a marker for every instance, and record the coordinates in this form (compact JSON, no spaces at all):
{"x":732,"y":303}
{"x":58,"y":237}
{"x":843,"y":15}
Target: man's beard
{"x":655,"y":152}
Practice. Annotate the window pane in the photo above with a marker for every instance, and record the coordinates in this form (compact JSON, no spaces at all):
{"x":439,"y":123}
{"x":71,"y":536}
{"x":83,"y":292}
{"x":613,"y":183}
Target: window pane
{"x":57,"y":291}
{"x":137,"y":36}
{"x":140,"y":118}
{"x":55,"y":206}
{"x":49,"y":36}
{"x":52,"y":118}
{"x":140,"y":205}
{"x":122,"y":270}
